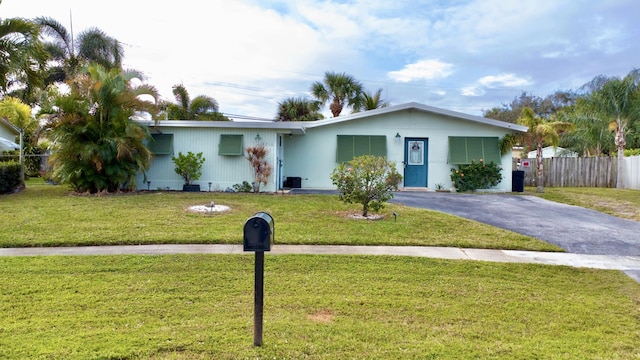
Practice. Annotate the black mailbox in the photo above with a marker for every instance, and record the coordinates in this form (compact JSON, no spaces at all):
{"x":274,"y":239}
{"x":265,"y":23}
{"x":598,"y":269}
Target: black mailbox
{"x":258,"y":232}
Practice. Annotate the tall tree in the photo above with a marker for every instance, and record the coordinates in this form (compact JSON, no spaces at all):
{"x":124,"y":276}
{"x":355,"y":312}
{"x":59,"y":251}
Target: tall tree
{"x":71,"y":55}
{"x":370,"y":101}
{"x":338,"y":88}
{"x":540,"y":132}
{"x":298,"y":109}
{"x":22,"y":58}
{"x":618,"y":101}
{"x":98,"y":147}
{"x":591,"y":136}
{"x":543,"y":107}
{"x":200,"y":108}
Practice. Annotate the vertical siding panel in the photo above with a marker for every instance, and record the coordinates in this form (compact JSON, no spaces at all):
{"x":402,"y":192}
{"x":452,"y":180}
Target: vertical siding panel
{"x":222,"y":171}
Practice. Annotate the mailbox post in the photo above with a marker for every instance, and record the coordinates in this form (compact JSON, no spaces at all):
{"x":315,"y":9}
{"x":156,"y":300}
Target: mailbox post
{"x":258,"y":236}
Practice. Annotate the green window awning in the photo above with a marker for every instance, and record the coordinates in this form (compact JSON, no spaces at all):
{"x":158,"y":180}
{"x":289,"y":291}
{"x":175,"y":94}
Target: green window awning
{"x":230,"y":145}
{"x":161,"y":144}
{"x":350,"y":146}
{"x":462,"y":150}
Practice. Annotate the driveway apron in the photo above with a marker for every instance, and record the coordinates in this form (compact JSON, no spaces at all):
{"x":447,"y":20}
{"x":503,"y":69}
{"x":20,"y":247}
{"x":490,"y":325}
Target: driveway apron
{"x":575,"y":229}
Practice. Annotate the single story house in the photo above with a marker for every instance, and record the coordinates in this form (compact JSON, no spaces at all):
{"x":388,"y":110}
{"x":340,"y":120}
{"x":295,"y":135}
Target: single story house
{"x":8,"y":132}
{"x":551,"y":152}
{"x":424,"y":142}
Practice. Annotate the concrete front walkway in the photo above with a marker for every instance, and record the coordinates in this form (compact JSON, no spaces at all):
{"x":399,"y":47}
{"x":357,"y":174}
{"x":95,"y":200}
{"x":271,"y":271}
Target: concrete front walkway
{"x":629,"y":264}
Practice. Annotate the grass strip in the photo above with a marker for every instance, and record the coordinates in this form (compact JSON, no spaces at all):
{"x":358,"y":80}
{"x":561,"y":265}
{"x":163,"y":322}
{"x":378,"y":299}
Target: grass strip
{"x":316,"y":307}
{"x":624,"y":203}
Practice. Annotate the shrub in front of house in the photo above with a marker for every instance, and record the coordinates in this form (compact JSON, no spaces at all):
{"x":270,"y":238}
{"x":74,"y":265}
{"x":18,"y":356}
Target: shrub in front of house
{"x":477,"y":175}
{"x":261,"y":169}
{"x":188,"y":166}
{"x":367,"y":180}
{"x":244,"y":187}
{"x":9,"y":176}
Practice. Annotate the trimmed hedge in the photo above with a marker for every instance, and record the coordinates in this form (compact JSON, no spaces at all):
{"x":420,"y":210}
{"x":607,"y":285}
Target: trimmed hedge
{"x":9,"y":176}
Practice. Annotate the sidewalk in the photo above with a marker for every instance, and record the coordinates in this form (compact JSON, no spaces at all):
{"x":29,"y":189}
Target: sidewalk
{"x":629,"y":264}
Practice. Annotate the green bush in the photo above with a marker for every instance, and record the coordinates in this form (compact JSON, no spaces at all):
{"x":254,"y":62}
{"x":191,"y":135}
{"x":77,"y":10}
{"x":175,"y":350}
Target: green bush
{"x":244,"y":187}
{"x":189,"y":166}
{"x":631,"y":152}
{"x":476,"y":176}
{"x":9,"y":176}
{"x":367,"y":180}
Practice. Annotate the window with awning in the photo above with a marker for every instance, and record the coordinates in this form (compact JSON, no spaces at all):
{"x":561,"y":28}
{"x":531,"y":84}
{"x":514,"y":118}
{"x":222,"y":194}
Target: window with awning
{"x":350,"y":146}
{"x":230,"y":145}
{"x":161,"y":144}
{"x":462,"y":150}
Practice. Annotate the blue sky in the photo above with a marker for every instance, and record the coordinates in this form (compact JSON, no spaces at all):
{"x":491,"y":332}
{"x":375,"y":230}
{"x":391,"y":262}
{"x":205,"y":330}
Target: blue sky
{"x":462,"y":55}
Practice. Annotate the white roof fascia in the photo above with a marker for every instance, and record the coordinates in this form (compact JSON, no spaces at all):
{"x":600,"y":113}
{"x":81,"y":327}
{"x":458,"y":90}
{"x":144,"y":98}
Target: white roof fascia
{"x":299,"y":127}
{"x":10,"y":125}
{"x":418,"y":107}
{"x":283,"y":126}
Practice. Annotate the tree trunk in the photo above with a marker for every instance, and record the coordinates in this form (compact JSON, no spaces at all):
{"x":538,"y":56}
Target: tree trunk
{"x":336,"y":108}
{"x":620,"y":144}
{"x":540,"y":172}
{"x":365,"y":210}
{"x":620,"y":169}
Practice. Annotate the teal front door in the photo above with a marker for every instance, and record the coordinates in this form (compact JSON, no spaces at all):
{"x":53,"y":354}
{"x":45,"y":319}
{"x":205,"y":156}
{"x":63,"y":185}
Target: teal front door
{"x":416,"y":162}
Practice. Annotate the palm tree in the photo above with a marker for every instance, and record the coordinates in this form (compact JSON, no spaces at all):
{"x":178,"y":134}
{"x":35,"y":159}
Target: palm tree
{"x":370,"y":101}
{"x":298,"y":109}
{"x":541,"y":131}
{"x":92,"y":45}
{"x":200,"y":108}
{"x":98,"y":147}
{"x":341,"y":89}
{"x":617,"y":100}
{"x":592,"y":136}
{"x":22,"y":58}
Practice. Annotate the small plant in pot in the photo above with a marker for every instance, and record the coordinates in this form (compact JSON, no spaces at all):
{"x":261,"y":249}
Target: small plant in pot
{"x":189,"y":166}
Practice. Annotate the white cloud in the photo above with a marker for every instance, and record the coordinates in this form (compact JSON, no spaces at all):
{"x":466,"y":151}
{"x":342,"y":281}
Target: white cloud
{"x":509,"y":80}
{"x":250,"y":54}
{"x":493,"y":81}
{"x":422,"y":70}
{"x":472,"y":91}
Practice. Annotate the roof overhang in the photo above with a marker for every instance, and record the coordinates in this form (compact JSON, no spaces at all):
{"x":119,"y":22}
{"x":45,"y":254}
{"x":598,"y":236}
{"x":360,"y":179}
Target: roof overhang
{"x":9,"y":125}
{"x":285,"y":127}
{"x":299,"y":127}
{"x":413,"y":106}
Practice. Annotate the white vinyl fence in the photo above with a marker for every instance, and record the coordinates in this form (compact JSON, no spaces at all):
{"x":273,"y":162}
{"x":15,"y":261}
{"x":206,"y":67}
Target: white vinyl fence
{"x":631,"y":172}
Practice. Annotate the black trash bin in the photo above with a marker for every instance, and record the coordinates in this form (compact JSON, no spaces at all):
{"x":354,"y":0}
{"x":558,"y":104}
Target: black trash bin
{"x":517,"y":181}
{"x":294,"y":182}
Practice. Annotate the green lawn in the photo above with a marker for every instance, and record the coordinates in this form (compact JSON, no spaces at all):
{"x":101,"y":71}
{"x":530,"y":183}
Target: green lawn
{"x":624,"y":203}
{"x":316,"y":307}
{"x":46,"y":215}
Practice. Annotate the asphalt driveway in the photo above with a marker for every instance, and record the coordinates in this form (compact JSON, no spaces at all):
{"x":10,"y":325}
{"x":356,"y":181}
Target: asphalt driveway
{"x":575,"y":229}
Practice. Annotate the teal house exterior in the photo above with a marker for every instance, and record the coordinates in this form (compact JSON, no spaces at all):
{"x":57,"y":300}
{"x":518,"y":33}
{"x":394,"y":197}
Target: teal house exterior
{"x":8,"y":131}
{"x":423,"y":141}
